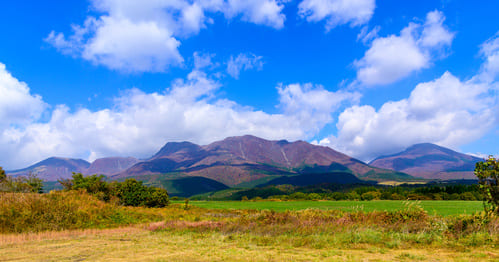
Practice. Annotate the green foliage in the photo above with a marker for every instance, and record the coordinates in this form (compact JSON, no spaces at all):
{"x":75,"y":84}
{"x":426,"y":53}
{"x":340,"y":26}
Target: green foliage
{"x":22,"y":184}
{"x":3,"y":176}
{"x":443,"y":191}
{"x":60,"y":210}
{"x":128,"y":193}
{"x":488,"y":178}
{"x":133,"y":193}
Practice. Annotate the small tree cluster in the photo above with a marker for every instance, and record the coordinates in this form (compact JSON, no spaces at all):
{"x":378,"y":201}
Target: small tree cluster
{"x":23,"y":184}
{"x":488,"y":178}
{"x":128,"y":193}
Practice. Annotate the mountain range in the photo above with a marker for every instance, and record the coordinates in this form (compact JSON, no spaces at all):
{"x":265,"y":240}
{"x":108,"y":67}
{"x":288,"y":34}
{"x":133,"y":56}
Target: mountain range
{"x":431,"y":162}
{"x":248,"y":161}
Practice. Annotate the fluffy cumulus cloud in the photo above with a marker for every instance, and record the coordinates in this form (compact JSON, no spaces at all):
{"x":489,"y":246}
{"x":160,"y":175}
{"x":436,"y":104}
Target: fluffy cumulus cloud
{"x":337,"y":12}
{"x":310,"y":104}
{"x":243,"y":62}
{"x":490,"y":51}
{"x":264,"y":12}
{"x":446,"y":111}
{"x":143,"y":36}
{"x":17,"y":105}
{"x":394,"y":57}
{"x":140,"y":123}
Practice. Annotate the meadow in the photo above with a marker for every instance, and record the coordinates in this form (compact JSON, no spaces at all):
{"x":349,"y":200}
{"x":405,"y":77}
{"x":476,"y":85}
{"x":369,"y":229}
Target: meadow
{"x":75,"y":226}
{"x":434,"y":207}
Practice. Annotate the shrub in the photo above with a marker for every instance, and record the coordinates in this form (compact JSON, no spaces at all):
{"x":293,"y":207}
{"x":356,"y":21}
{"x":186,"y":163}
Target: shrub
{"x":133,"y":193}
{"x":128,"y":193}
{"x":488,"y":178}
{"x":59,"y":210}
{"x":22,"y":184}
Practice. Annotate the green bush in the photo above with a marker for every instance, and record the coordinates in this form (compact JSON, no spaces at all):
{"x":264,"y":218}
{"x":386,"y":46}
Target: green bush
{"x":133,"y":193}
{"x":128,"y":193}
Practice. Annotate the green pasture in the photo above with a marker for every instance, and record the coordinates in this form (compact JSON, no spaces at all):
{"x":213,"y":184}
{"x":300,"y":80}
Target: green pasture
{"x":433,"y":207}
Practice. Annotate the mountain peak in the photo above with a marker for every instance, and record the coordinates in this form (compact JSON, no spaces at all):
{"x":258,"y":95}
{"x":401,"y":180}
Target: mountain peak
{"x":171,"y":148}
{"x":430,"y":161}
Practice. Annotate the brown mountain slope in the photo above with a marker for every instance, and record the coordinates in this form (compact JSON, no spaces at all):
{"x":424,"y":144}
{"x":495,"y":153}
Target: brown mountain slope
{"x":244,"y":159}
{"x":54,"y":168}
{"x":431,"y":162}
{"x":110,"y":165}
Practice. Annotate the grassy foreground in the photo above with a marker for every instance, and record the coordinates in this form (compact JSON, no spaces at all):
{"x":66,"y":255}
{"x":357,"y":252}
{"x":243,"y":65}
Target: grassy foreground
{"x":142,"y":244}
{"x":442,"y":208}
{"x":177,"y":233}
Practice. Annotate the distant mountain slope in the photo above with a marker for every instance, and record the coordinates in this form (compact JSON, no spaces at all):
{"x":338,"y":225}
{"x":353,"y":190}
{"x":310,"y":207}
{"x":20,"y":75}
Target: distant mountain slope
{"x":53,"y":168}
{"x":110,"y":165}
{"x":430,"y":161}
{"x":240,"y":160}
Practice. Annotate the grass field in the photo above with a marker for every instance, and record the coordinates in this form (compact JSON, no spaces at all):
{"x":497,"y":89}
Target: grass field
{"x":442,"y":208}
{"x":141,"y":244}
{"x":74,"y":226}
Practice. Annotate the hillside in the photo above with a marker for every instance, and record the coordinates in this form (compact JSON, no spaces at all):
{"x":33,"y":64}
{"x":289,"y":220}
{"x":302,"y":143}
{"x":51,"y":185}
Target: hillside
{"x":430,"y":161}
{"x":53,"y":168}
{"x":249,"y":160}
{"x":185,"y":168}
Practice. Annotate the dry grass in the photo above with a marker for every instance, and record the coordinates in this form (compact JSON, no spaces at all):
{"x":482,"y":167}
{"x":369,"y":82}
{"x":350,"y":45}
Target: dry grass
{"x":197,"y":234}
{"x":6,"y":239}
{"x":140,"y":244}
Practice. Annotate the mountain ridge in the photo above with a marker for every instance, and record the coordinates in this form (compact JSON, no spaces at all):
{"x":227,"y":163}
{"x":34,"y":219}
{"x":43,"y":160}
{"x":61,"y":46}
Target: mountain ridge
{"x":429,"y":161}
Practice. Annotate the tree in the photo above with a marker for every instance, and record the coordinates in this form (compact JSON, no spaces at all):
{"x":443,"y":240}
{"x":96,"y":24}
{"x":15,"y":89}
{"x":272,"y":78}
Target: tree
{"x":35,"y":183}
{"x":3,"y":176}
{"x":133,"y":193}
{"x":488,"y":179}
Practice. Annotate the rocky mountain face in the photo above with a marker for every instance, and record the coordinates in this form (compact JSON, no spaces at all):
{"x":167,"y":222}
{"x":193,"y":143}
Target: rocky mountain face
{"x":110,"y":165}
{"x":249,"y":159}
{"x":234,"y":161}
{"x":431,"y":162}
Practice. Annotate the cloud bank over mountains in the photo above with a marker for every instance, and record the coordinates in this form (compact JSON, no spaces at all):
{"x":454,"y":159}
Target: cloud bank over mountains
{"x":139,"y":123}
{"x":133,"y":37}
{"x":446,"y":111}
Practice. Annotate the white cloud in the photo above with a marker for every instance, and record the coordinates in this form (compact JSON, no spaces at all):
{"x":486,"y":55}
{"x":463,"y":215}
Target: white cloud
{"x":445,"y":111}
{"x":434,"y":33}
{"x":243,"y":62}
{"x":311,"y":105}
{"x":392,"y":58}
{"x":264,"y":12}
{"x":490,"y":51}
{"x":143,"y":36}
{"x":337,"y":12}
{"x":132,"y":47}
{"x":139,"y":123}
{"x":17,"y":105}
{"x":366,"y":36}
{"x":203,"y":60}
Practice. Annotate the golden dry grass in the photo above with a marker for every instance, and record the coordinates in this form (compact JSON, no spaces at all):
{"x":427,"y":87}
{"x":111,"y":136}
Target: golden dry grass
{"x":138,"y":243}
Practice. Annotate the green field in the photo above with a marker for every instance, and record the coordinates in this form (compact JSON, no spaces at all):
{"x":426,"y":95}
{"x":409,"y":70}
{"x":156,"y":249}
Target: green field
{"x":443,"y":208}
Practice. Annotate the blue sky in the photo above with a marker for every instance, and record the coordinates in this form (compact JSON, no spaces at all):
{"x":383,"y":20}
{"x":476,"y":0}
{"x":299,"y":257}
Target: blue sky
{"x":90,"y":79}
